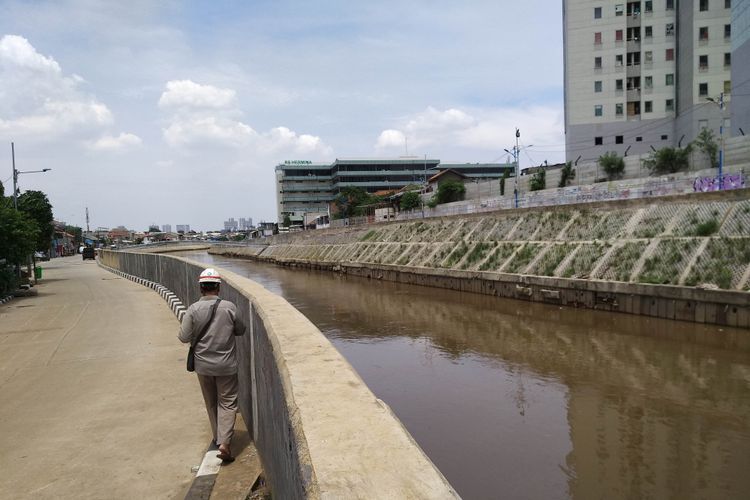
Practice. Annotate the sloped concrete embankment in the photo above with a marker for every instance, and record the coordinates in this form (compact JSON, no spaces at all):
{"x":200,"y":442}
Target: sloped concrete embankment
{"x":684,"y":258}
{"x":318,"y":428}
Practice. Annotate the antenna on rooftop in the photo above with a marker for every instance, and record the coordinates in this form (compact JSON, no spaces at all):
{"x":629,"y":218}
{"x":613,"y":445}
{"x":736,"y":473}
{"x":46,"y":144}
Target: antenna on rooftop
{"x":406,"y":146}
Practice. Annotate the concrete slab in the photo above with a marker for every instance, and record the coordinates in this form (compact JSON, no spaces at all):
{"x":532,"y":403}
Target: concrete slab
{"x":96,"y":399}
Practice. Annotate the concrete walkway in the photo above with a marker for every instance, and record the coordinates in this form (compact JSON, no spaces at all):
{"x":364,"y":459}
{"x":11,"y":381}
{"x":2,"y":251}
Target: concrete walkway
{"x":95,"y":399}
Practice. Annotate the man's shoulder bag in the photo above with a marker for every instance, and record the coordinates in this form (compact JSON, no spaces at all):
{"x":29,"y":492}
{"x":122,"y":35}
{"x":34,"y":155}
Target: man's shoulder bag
{"x":191,"y":352}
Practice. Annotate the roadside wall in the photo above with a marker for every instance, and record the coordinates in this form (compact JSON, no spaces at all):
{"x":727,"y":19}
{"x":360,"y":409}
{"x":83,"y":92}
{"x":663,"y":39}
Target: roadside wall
{"x":320,"y":432}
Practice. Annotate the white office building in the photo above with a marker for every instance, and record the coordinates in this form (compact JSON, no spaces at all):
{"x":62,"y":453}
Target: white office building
{"x":644,"y":74}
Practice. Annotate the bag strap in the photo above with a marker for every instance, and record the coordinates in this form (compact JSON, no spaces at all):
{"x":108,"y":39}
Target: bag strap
{"x":205,"y":327}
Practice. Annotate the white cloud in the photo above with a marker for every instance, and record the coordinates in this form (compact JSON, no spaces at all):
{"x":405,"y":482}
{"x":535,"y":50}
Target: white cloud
{"x":390,"y":139}
{"x":281,"y":139}
{"x":486,"y":129}
{"x":186,"y":131}
{"x":207,"y":115}
{"x":186,"y":93}
{"x":122,"y":142}
{"x":38,"y":100}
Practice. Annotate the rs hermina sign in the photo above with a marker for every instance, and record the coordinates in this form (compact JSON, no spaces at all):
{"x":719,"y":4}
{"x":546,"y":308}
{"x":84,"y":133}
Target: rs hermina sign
{"x":297,"y":162}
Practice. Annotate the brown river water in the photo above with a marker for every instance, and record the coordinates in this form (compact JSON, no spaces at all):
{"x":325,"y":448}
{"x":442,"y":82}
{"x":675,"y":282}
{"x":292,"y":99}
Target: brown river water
{"x":517,"y":400}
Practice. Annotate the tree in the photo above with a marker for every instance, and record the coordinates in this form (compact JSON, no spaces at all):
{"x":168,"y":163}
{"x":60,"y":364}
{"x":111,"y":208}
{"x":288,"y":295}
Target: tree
{"x":613,"y":165}
{"x":350,"y":200}
{"x":567,"y":174}
{"x":706,"y":142}
{"x":19,"y":234}
{"x":450,"y":191}
{"x":538,"y":181}
{"x":153,"y":229}
{"x":77,"y":233}
{"x":410,"y":200}
{"x":287,"y":221}
{"x":668,"y":160}
{"x":36,"y":205}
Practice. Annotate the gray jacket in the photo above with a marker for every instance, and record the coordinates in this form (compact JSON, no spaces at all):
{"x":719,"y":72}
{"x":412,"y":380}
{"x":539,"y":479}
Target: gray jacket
{"x":215,"y":353}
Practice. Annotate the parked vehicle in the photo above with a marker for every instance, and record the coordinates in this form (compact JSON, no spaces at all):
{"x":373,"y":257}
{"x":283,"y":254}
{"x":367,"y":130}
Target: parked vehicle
{"x":89,"y":253}
{"x":41,"y":256}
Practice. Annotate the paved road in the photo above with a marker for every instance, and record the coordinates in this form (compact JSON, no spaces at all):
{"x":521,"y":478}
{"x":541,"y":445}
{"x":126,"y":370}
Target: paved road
{"x":95,"y":401}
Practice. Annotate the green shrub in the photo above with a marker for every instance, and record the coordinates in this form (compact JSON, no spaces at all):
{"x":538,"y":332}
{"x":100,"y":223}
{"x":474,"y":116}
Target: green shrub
{"x":707,"y":228}
{"x":668,"y":160}
{"x":613,"y":165}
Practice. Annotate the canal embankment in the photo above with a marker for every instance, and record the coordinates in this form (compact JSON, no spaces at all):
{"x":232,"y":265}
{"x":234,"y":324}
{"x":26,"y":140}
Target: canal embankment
{"x":682,"y":257}
{"x":320,"y":432}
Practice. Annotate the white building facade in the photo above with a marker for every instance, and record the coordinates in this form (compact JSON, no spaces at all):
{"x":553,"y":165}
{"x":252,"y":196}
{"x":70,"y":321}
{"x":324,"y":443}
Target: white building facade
{"x":639,"y":75}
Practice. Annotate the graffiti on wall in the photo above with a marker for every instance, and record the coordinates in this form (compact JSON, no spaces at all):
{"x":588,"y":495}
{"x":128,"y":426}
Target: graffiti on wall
{"x":706,"y":184}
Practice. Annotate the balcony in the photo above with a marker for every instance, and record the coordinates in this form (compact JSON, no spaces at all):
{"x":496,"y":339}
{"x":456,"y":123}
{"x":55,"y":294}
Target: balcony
{"x":633,"y":70}
{"x":633,"y":20}
{"x":634,"y":45}
{"x":634,"y":94}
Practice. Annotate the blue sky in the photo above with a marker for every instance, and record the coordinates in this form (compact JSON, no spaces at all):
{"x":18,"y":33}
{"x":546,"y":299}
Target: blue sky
{"x":177,"y":112}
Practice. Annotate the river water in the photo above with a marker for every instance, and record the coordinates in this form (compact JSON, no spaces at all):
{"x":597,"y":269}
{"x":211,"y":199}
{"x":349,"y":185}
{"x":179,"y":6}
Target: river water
{"x":518,"y":400}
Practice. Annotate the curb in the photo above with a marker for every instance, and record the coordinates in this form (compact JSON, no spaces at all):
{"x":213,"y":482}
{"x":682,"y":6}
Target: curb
{"x":175,"y":304}
{"x":6,"y":299}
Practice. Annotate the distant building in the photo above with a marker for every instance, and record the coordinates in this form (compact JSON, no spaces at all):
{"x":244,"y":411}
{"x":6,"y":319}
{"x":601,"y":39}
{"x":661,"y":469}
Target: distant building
{"x":166,"y":228}
{"x":642,"y":74}
{"x":246,"y":224}
{"x":304,"y":188}
{"x":183,"y":228}
{"x":740,"y":103}
{"x":230,"y":225}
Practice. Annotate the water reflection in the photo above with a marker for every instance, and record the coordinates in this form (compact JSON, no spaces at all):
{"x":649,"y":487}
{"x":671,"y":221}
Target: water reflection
{"x":520,"y":400}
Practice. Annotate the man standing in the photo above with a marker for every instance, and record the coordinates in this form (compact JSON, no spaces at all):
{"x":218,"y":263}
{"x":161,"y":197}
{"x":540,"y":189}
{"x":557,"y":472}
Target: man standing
{"x":215,"y":356}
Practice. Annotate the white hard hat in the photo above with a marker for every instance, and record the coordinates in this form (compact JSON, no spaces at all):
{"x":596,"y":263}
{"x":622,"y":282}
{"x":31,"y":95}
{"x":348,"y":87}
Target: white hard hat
{"x":209,"y":275}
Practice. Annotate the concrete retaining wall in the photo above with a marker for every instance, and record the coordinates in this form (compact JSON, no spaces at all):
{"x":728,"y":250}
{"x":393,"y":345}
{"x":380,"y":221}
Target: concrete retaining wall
{"x":320,"y":432}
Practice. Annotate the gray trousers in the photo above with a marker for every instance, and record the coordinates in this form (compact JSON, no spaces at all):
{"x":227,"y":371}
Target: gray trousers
{"x":220,"y":396}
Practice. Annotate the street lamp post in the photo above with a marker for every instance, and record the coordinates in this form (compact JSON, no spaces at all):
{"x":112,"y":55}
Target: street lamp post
{"x":721,"y":137}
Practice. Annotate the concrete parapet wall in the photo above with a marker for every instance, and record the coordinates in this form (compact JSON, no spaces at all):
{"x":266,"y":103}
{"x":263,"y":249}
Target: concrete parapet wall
{"x":320,"y":432}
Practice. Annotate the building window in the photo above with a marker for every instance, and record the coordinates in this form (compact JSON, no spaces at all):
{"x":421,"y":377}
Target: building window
{"x":727,"y":31}
{"x":648,"y":82}
{"x":649,"y":106}
{"x":670,"y":5}
{"x":598,"y":38}
{"x":597,"y":12}
{"x":648,"y":31}
{"x":669,"y":29}
{"x":664,"y":137}
{"x":727,"y":4}
{"x":619,"y":9}
{"x":648,"y":6}
{"x":648,"y":57}
{"x":727,"y":86}
{"x":618,"y":60}
{"x":669,"y":55}
{"x":639,"y":139}
{"x":598,"y":141}
{"x":598,"y":110}
{"x":702,"y":124}
{"x":703,"y":5}
{"x":727,"y":59}
{"x":598,"y":86}
{"x":618,"y":109}
{"x":703,"y":63}
{"x":703,"y":89}
{"x":597,"y":63}
{"x":669,"y":79}
{"x":669,"y":105}
{"x":618,"y":35}
{"x":618,"y":139}
{"x":703,"y":33}
{"x":618,"y":84}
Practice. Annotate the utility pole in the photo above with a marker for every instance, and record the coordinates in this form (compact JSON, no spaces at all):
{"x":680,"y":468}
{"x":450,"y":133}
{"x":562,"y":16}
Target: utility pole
{"x":15,"y":176}
{"x":87,"y":220}
{"x":721,"y":142}
{"x":518,"y":168}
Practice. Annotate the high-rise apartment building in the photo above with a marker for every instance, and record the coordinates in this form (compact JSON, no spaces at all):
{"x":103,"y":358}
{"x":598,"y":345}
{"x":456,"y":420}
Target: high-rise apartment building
{"x":740,"y":106}
{"x":644,"y":74}
{"x":167,"y":228}
{"x":183,"y":228}
{"x":245,"y":223}
{"x":230,"y":225}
